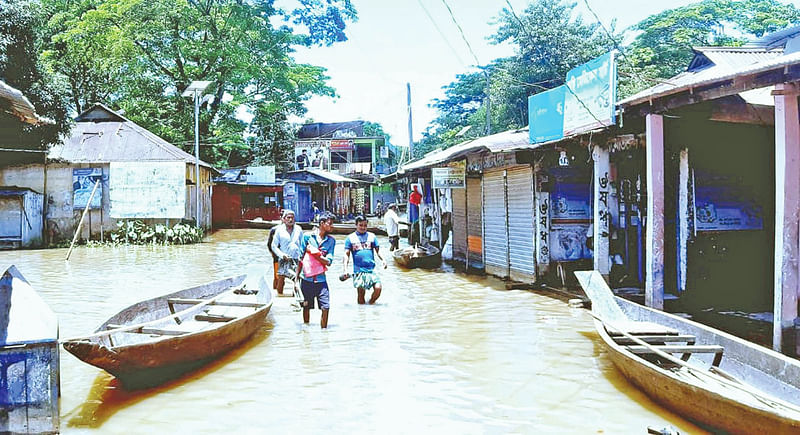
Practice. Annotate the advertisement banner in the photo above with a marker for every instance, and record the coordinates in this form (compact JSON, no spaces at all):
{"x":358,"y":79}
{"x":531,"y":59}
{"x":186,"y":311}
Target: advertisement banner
{"x":313,"y":154}
{"x":591,"y":94}
{"x":83,"y":180}
{"x":570,"y":202}
{"x":725,"y":208}
{"x":546,"y":115}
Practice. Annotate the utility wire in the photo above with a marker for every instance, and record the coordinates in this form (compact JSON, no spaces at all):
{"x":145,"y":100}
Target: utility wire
{"x":439,"y":30}
{"x":525,"y":29}
{"x":461,"y":31}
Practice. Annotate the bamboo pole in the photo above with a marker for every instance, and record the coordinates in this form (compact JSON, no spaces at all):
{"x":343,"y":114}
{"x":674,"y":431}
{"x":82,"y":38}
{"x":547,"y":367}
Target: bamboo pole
{"x":80,"y":223}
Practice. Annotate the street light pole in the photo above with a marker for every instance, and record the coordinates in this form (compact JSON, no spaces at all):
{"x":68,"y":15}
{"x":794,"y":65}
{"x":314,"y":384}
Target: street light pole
{"x":197,"y":155}
{"x":195,"y":89}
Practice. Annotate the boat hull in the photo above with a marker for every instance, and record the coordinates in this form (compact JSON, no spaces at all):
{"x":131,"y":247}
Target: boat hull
{"x":708,"y":403}
{"x":429,"y":258}
{"x":148,"y":362}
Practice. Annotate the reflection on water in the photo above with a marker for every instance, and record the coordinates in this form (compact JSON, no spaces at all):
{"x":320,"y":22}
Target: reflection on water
{"x":440,"y":350}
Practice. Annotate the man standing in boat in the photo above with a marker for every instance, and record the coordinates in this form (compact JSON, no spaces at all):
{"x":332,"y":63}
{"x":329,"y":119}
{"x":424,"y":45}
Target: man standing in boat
{"x":317,"y":247}
{"x":364,"y":246}
{"x":286,"y":245}
{"x":392,"y":222}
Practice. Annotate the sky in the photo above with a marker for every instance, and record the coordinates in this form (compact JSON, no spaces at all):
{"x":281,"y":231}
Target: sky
{"x":416,"y":41}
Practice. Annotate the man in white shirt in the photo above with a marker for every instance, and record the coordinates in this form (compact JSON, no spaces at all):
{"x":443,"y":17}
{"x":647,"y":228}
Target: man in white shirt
{"x":392,"y":222}
{"x":286,"y":246}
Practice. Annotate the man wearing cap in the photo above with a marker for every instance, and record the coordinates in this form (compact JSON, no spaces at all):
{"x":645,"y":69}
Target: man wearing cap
{"x":286,"y":246}
{"x":392,"y":222}
{"x":364,"y":246}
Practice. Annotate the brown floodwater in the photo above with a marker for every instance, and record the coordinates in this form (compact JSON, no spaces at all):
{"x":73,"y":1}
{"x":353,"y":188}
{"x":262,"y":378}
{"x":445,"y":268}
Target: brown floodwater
{"x":441,"y":350}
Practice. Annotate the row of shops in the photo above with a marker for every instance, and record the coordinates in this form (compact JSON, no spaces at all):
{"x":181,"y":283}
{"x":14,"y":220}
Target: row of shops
{"x":690,"y":194}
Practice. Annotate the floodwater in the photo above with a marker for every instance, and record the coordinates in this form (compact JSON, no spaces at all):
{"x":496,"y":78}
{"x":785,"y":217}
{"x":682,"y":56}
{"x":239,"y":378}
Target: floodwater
{"x":441,"y":350}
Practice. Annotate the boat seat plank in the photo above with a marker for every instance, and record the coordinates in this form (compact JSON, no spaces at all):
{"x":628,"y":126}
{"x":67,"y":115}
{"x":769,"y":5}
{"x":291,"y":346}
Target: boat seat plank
{"x":641,"y":328}
{"x":687,"y":351}
{"x":157,"y":331}
{"x":183,"y":301}
{"x":213,"y":318}
{"x":655,"y":339}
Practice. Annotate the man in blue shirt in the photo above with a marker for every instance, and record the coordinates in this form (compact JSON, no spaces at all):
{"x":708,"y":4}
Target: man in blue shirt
{"x":363,"y":244}
{"x":318,"y":246}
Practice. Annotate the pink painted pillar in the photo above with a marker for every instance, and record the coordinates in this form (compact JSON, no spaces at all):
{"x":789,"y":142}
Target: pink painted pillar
{"x":654,"y":262}
{"x":787,"y":210}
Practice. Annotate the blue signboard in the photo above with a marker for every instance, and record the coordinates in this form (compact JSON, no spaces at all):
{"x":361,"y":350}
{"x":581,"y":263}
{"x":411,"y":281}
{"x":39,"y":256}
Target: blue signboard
{"x":590,"y":99}
{"x":546,"y":115}
{"x":726,"y":208}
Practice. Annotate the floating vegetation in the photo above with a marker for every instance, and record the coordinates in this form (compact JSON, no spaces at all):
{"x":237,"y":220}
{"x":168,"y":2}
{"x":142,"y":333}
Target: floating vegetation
{"x":136,"y":232}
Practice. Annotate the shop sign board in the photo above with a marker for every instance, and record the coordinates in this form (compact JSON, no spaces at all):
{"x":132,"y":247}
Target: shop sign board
{"x":448,"y":178}
{"x":147,"y":190}
{"x":546,"y":111}
{"x":590,"y":97}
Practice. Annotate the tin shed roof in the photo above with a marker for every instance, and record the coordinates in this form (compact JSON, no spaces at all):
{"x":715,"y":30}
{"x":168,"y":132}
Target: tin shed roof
{"x":711,"y":64}
{"x":102,"y":135}
{"x":13,"y":102}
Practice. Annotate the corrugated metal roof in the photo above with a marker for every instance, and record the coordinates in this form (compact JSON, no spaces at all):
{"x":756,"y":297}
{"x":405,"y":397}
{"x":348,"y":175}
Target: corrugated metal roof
{"x":499,"y":142}
{"x":13,"y":102}
{"x":732,"y":62}
{"x":115,"y":141}
{"x":331,"y":176}
{"x":726,"y":62}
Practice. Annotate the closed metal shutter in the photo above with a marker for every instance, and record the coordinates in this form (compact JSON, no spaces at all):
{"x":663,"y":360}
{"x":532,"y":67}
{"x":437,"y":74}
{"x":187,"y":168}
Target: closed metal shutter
{"x":495,"y":223}
{"x":521,"y":224}
{"x":459,"y":225}
{"x":474,"y":224}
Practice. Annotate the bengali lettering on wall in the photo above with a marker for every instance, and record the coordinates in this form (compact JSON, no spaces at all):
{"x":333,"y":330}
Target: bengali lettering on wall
{"x":147,"y":190}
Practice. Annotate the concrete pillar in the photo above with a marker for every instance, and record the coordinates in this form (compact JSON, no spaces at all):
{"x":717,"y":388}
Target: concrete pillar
{"x":602,"y":217}
{"x":654,"y":261}
{"x":685,"y":212}
{"x":787,"y":210}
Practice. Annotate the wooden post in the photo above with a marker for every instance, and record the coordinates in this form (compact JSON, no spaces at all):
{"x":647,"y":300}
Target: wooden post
{"x":602,"y":217}
{"x":787,"y":208}
{"x":683,"y":217}
{"x":80,"y":223}
{"x":654,"y":263}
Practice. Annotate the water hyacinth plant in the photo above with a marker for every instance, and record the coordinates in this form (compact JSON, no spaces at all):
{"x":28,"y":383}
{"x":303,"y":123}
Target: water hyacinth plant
{"x":136,"y":232}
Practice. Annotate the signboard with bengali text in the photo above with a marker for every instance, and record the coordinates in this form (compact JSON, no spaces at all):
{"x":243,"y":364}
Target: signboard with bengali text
{"x":147,"y":190}
{"x":590,"y":98}
{"x":448,"y":178}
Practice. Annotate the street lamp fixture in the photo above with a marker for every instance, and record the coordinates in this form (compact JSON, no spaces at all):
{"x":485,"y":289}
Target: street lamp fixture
{"x":195,"y":89}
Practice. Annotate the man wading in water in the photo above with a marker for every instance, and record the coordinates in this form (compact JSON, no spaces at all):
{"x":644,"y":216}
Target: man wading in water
{"x":317,"y":248}
{"x":285,"y":245}
{"x":363,"y":244}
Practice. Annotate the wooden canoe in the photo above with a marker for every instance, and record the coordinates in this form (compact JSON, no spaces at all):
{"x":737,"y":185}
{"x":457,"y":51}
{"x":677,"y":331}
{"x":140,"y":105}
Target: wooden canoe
{"x":160,"y":338}
{"x":426,"y":257}
{"x":713,"y":378}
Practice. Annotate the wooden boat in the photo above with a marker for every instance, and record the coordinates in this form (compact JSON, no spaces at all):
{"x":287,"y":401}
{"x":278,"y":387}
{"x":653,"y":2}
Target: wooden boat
{"x":160,"y":338}
{"x":349,"y":227}
{"x":706,"y":375}
{"x":426,"y":257}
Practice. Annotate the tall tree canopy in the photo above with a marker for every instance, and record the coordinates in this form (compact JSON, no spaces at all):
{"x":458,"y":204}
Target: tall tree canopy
{"x":20,"y":23}
{"x":139,"y":55}
{"x":549,"y":40}
{"x":663,"y":47}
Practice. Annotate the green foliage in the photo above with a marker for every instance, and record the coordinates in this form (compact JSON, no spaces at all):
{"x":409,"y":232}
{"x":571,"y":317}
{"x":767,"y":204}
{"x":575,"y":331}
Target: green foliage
{"x":549,"y":40}
{"x":663,"y":49}
{"x":138,"y":233}
{"x":20,"y":67}
{"x":139,"y":56}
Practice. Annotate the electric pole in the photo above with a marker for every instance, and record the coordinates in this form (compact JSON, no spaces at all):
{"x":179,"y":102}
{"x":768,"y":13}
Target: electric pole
{"x":410,"y":131}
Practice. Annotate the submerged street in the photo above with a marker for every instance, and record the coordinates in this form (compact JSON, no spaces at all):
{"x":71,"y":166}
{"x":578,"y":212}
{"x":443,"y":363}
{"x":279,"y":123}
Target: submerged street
{"x":440,"y":350}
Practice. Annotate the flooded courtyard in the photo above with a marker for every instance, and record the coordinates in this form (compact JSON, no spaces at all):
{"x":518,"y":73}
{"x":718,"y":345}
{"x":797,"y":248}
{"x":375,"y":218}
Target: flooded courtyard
{"x":441,"y":350}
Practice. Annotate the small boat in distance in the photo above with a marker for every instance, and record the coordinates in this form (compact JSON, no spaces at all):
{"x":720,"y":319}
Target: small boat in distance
{"x":426,"y":257}
{"x":713,"y":378}
{"x":154,"y":340}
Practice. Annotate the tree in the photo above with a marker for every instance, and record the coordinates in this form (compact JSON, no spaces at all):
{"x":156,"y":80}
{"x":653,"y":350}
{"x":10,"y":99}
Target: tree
{"x":20,"y":68}
{"x":549,"y":40}
{"x":139,"y":55}
{"x":663,"y":49}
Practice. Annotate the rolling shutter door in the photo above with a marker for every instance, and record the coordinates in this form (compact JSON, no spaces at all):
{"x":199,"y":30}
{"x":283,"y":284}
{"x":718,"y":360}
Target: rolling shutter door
{"x":495,"y":223}
{"x":474,"y":224}
{"x":521,"y":222}
{"x":459,"y":225}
